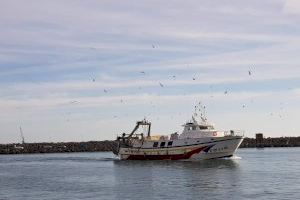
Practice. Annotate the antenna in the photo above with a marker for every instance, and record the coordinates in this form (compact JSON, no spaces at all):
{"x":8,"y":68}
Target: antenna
{"x":22,"y":135}
{"x":202,"y":111}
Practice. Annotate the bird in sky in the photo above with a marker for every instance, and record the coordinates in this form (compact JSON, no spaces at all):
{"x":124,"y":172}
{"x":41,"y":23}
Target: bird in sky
{"x":226,"y":92}
{"x":105,"y":90}
{"x":161,"y":85}
{"x":142,"y":72}
{"x":250,"y":73}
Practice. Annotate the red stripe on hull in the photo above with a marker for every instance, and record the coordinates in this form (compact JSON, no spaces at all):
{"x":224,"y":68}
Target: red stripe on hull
{"x":166,"y":157}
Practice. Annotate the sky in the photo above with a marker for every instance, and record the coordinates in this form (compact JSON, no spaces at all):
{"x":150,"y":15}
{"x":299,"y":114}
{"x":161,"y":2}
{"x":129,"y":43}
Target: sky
{"x":75,"y":70}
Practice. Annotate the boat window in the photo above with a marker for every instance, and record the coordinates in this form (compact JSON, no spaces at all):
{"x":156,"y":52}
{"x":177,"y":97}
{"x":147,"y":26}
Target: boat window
{"x":162,"y":144}
{"x":155,"y":144}
{"x":170,"y":143}
{"x":194,"y":128}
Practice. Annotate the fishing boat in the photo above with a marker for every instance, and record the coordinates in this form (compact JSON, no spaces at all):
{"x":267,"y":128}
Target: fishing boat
{"x":199,"y":140}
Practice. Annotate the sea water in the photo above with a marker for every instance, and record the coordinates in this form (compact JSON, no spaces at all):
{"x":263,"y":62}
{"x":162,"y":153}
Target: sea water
{"x":269,"y":173}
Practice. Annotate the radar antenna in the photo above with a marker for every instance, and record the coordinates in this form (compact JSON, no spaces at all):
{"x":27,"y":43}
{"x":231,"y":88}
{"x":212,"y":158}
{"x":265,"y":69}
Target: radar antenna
{"x":202,"y":111}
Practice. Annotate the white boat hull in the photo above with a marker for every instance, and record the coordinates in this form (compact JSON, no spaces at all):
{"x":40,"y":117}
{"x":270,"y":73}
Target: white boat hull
{"x":182,"y":149}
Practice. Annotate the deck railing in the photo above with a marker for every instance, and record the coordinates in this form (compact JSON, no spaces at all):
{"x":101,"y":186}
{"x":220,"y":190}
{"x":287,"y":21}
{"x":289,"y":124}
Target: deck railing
{"x":234,"y":133}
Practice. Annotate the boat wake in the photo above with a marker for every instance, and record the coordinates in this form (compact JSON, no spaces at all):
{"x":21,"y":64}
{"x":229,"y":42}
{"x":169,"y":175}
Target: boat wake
{"x":234,"y":157}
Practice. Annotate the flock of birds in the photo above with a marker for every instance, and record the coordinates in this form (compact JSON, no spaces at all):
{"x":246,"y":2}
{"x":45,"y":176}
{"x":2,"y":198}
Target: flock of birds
{"x":160,"y":84}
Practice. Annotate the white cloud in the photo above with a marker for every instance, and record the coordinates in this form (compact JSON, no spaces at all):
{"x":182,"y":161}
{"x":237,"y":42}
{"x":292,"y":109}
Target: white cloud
{"x":292,"y":7}
{"x":49,"y":102}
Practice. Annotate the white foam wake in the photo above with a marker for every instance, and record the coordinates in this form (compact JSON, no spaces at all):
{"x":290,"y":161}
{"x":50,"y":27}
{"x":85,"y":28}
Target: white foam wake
{"x":234,"y":157}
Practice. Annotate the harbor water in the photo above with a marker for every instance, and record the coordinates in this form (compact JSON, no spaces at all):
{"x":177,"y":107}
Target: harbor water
{"x":269,"y":173}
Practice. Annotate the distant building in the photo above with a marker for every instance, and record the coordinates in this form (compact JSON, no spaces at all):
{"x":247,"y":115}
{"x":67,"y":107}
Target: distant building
{"x":259,"y":139}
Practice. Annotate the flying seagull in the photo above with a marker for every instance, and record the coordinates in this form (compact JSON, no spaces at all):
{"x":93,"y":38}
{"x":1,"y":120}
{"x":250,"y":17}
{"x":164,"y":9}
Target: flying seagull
{"x":161,"y":85}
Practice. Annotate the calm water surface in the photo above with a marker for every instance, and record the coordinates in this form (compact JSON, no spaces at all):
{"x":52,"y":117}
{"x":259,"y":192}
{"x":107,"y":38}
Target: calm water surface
{"x":270,"y":173}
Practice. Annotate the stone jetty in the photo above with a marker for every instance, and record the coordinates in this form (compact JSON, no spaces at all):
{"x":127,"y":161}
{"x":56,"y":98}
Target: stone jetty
{"x":260,"y":142}
{"x":61,"y":147}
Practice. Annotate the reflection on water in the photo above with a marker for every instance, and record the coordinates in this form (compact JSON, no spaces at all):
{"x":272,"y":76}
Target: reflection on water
{"x":184,"y":179}
{"x":186,"y":164}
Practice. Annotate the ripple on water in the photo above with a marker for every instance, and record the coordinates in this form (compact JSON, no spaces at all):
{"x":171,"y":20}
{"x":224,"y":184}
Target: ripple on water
{"x":264,"y":174}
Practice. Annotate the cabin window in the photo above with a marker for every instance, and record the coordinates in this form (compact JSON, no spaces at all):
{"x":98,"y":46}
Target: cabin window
{"x":155,"y":144}
{"x":194,"y":128}
{"x":162,"y":144}
{"x":170,"y":143}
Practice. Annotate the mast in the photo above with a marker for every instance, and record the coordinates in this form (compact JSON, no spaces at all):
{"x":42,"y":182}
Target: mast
{"x":22,"y":135}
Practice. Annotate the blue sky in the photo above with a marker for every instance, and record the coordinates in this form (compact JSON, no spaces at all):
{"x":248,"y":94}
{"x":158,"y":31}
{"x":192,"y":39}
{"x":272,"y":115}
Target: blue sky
{"x":73,"y":70}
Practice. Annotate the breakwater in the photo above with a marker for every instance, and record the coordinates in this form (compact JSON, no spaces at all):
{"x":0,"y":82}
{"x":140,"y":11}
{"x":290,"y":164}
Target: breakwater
{"x":61,"y":147}
{"x":271,"y":142}
{"x":94,"y":146}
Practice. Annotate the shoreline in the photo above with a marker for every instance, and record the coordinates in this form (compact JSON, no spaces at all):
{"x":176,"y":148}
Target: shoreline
{"x":107,"y":145}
